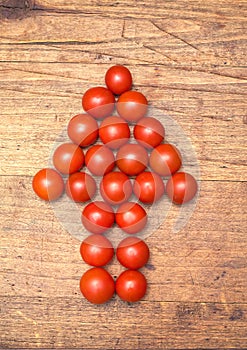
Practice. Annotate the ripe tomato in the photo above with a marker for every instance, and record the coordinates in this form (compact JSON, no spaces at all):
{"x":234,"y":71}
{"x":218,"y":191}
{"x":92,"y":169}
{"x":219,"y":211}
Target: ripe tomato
{"x":97,"y":285}
{"x":99,"y":102}
{"x":97,"y":217}
{"x":165,"y":159}
{"x":148,"y":187}
{"x":131,"y":285}
{"x":99,"y":160}
{"x":133,"y":253}
{"x":48,"y":184}
{"x":68,"y":158}
{"x":132,"y":159}
{"x":96,"y":250}
{"x":149,"y":132}
{"x":115,"y":188}
{"x":114,"y":132}
{"x":131,"y":217}
{"x":118,"y":79}
{"x":83,"y":130}
{"x":132,"y":106}
{"x":80,"y":187}
{"x":181,"y":187}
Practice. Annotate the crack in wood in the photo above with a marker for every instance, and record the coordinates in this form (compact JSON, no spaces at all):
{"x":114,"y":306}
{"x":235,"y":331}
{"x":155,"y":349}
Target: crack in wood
{"x":174,"y":36}
{"x":160,"y":53}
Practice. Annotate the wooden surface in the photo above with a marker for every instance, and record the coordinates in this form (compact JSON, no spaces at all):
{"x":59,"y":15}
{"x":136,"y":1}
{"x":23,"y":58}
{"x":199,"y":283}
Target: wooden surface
{"x":189,"y":59}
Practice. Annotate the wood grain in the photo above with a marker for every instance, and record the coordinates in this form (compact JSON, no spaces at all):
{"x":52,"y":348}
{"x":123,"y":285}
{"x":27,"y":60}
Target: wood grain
{"x":189,"y":59}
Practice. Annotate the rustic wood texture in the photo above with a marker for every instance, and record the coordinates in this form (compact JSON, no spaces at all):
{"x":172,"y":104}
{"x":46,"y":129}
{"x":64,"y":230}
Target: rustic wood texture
{"x":189,"y":59}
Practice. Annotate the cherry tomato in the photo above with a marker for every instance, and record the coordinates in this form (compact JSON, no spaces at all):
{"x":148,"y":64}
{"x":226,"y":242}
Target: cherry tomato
{"x":99,"y":160}
{"x":131,"y":285}
{"x":96,"y":250}
{"x":97,"y":285}
{"x":97,"y":217}
{"x":118,"y":79}
{"x":149,"y":132}
{"x":132,"y":106}
{"x":80,"y":187}
{"x":131,"y":217}
{"x":115,"y":187}
{"x":165,"y":159}
{"x":148,"y":187}
{"x":114,"y":132}
{"x":68,"y":158}
{"x":132,"y":159}
{"x":181,"y":187}
{"x":83,"y":130}
{"x":133,"y":253}
{"x":99,"y":102}
{"x":48,"y":184}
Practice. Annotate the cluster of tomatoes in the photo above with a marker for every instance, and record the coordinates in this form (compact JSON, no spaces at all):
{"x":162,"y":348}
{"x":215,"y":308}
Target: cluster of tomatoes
{"x":116,"y":131}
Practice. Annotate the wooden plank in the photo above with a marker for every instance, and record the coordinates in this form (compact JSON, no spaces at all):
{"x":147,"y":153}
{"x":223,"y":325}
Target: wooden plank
{"x":166,"y":38}
{"x":44,"y":322}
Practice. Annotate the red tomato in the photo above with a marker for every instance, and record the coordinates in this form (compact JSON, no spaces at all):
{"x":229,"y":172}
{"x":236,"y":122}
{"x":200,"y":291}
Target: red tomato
{"x":115,"y":187}
{"x":132,"y":159}
{"x":99,"y":160}
{"x":131,"y":217}
{"x":181,"y":187}
{"x":99,"y":102}
{"x":83,"y":130}
{"x":48,"y":184}
{"x":133,"y":253}
{"x":118,"y":79}
{"x":96,"y":250}
{"x":68,"y":158}
{"x":131,"y":285}
{"x":149,"y":132}
{"x":80,"y":187}
{"x":97,"y":285}
{"x":148,"y":187}
{"x":114,"y":132}
{"x":132,"y":106}
{"x":97,"y":217}
{"x":165,"y":159}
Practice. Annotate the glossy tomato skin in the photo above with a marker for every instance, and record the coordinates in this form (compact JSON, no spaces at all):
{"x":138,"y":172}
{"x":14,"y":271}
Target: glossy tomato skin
{"x":97,"y":217}
{"x":96,"y":250}
{"x":165,"y":159}
{"x":99,"y":160}
{"x":148,"y":187}
{"x":48,"y":184}
{"x":131,"y":217}
{"x":68,"y":158}
{"x":132,"y":106}
{"x":98,"y":102}
{"x":149,"y":132}
{"x":80,"y":187}
{"x":115,"y":188}
{"x":132,"y":159}
{"x":97,"y":285}
{"x":83,"y":130}
{"x":131,"y":285}
{"x":114,"y":132}
{"x":181,"y":187}
{"x":118,"y":79}
{"x":133,"y":253}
